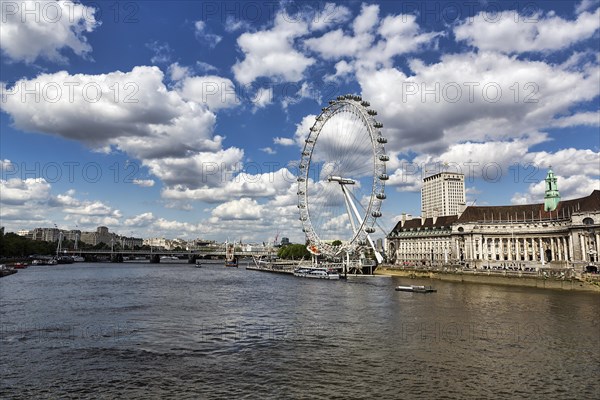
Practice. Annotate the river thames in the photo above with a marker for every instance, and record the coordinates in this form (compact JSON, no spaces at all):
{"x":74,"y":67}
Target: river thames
{"x":175,"y":331}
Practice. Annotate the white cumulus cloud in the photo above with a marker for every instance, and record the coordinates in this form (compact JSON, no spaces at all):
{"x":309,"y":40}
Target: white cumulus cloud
{"x":511,"y":32}
{"x":213,"y":91}
{"x":144,"y":182}
{"x":140,"y":220}
{"x":271,"y":53}
{"x":44,"y":28}
{"x":244,"y":208}
{"x":15,"y":191}
{"x":204,"y":35}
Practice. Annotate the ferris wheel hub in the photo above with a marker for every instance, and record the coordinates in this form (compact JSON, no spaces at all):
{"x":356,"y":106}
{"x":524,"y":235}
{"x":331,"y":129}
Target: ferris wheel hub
{"x":340,"y":180}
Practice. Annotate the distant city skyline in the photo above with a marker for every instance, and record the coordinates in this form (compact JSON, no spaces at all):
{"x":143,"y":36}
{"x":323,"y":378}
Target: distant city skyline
{"x":104,"y":235}
{"x":187,"y":119}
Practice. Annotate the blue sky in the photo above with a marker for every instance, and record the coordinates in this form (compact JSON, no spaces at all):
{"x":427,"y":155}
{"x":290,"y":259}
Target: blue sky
{"x":185,"y":119}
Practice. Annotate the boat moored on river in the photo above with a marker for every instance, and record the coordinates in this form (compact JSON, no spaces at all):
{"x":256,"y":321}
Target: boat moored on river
{"x":318,"y":273}
{"x":6,"y":270}
{"x":416,"y":289}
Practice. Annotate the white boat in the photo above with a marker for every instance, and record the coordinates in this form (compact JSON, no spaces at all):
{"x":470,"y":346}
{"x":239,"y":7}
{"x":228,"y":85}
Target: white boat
{"x":416,"y":289}
{"x":78,"y":259}
{"x":318,"y":273}
{"x":5,"y":270}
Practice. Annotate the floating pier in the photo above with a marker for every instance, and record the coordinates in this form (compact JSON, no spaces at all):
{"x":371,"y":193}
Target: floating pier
{"x":277,"y":269}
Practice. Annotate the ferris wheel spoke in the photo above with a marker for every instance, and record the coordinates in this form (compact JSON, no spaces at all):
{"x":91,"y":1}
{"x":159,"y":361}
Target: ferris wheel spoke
{"x":350,"y":159}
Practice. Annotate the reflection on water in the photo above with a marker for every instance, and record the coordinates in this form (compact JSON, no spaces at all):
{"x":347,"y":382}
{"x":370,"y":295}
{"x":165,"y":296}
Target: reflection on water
{"x":140,"y":330}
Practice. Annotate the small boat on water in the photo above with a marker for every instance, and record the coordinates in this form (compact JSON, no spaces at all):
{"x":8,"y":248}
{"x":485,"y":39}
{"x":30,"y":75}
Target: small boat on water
{"x":416,"y":289}
{"x":44,"y":261}
{"x":20,"y":265}
{"x":6,"y":270}
{"x":318,"y":273}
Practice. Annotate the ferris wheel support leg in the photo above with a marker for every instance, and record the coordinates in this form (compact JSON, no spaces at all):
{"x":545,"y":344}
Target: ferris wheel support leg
{"x":378,"y":256}
{"x":347,"y":266}
{"x":347,"y":200}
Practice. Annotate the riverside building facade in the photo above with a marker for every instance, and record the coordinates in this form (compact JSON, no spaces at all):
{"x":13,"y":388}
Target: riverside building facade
{"x":561,"y":234}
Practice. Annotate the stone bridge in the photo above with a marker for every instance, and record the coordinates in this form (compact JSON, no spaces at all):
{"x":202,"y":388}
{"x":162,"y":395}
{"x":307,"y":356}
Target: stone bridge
{"x":157,"y":256}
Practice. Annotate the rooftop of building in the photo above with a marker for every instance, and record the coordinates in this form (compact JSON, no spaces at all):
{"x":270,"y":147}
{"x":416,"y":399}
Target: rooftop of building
{"x":530,"y":212}
{"x":432,"y":223}
{"x":442,"y":174}
{"x":513,"y":213}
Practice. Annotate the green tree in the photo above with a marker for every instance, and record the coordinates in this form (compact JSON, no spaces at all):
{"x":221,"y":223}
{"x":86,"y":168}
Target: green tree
{"x":336,"y":243}
{"x":101,"y":246}
{"x":293,"y":252}
{"x":13,"y":245}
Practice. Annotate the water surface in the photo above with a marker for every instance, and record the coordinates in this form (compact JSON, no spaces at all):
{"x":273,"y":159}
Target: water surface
{"x":175,"y":331}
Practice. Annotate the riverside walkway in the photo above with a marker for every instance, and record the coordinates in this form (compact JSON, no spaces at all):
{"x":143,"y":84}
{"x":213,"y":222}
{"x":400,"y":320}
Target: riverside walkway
{"x":548,"y":277}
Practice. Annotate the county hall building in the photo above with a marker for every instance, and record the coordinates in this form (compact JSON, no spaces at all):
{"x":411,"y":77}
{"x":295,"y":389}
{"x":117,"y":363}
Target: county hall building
{"x":555,"y":233}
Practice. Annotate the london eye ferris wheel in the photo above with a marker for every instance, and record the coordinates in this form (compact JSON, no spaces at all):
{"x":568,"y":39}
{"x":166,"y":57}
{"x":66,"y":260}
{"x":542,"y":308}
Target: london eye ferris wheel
{"x":341,"y":178}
